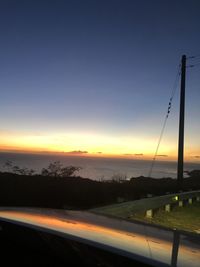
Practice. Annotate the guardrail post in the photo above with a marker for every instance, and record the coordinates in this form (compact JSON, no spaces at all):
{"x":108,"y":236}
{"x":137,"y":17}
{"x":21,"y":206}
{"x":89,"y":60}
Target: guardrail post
{"x":180,"y":203}
{"x":149,"y":214}
{"x":175,"y":247}
{"x":190,"y":201}
{"x":168,"y":207}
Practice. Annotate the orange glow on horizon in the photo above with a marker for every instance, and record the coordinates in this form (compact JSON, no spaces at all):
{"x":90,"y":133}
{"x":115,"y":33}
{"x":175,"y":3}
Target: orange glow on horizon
{"x":87,"y":144}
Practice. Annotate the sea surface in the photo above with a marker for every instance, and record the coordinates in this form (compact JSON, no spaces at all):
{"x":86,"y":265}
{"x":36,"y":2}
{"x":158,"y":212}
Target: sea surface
{"x":97,"y":168}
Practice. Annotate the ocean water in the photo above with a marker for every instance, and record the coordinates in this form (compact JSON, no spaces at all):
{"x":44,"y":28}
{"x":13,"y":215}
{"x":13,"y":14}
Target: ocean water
{"x":97,"y":168}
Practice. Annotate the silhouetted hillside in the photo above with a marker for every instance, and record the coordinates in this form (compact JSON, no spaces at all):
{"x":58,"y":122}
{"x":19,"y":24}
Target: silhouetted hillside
{"x":80,"y":193}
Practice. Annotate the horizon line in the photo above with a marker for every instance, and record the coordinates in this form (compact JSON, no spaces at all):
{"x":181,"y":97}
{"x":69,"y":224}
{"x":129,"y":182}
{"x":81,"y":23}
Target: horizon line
{"x":79,"y":153}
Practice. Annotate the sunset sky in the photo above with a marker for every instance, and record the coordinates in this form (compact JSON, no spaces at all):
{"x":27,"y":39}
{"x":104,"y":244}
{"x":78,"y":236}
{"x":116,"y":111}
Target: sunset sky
{"x":96,"y":76}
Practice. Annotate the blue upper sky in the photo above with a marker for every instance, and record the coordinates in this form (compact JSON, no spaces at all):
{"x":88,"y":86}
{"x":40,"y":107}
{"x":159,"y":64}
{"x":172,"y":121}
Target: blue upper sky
{"x":101,"y":68}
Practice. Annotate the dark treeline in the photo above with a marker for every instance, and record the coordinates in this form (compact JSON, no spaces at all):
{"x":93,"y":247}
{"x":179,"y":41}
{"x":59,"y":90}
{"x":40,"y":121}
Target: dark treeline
{"x":81,"y":193}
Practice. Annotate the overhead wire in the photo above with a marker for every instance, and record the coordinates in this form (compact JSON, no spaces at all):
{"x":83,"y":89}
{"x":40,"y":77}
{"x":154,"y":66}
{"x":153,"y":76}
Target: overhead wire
{"x":165,"y":120}
{"x":169,"y":108}
{"x":148,"y":243}
{"x":192,"y":57}
{"x":194,"y":64}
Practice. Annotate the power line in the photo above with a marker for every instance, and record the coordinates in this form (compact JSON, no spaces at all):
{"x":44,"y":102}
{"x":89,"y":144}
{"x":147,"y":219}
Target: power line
{"x":194,"y":64}
{"x":192,"y":57}
{"x":165,"y":120}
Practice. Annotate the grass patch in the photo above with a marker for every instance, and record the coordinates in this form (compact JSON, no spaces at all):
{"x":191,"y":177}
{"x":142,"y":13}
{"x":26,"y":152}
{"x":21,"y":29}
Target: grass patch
{"x":183,"y":218}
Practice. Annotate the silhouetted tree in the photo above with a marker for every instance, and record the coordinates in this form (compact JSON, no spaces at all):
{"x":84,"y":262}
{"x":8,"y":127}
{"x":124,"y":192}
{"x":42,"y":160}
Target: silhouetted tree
{"x":56,"y":169}
{"x":69,"y":171}
{"x":8,"y":165}
{"x":23,"y":171}
{"x":119,"y":177}
{"x":16,"y":169}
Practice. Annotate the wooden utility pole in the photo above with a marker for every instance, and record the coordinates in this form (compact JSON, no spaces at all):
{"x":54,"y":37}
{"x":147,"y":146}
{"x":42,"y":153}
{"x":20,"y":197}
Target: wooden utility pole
{"x":181,"y":124}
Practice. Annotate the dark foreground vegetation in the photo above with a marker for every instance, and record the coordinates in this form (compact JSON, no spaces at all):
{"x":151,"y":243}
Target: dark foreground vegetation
{"x":80,"y":193}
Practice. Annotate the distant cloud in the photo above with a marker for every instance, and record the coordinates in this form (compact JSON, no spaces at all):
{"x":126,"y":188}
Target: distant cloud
{"x":197,"y":157}
{"x":77,"y":152}
{"x":128,"y":154}
{"x":99,"y":152}
{"x":162,"y":155}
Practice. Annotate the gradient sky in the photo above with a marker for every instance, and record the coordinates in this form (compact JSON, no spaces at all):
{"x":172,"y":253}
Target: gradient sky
{"x":97,"y":75}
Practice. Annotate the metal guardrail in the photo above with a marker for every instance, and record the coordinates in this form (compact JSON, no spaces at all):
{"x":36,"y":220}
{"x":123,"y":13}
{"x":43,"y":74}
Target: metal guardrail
{"x":173,"y":199}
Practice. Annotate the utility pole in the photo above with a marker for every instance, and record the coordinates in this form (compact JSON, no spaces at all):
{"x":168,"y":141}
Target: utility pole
{"x":181,"y":124}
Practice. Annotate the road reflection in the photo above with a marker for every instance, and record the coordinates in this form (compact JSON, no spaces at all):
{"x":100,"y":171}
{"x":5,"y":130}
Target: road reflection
{"x":145,"y":244}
